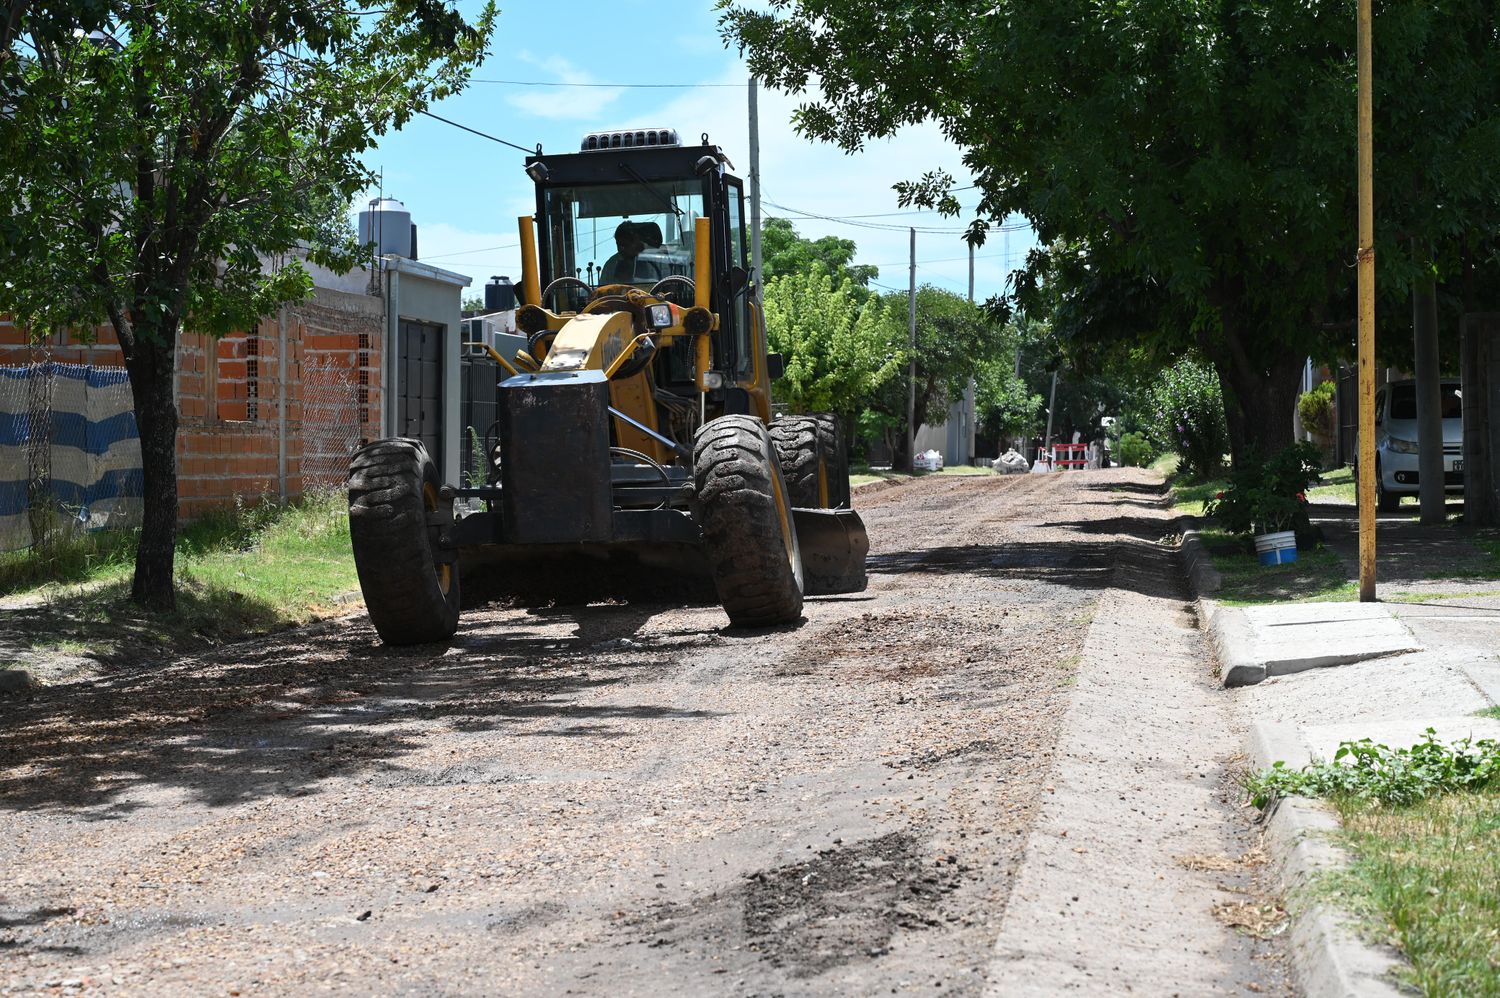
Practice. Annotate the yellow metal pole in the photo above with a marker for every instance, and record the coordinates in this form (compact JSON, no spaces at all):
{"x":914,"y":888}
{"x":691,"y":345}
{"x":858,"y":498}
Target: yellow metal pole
{"x":1366,"y":317}
{"x":531,"y":277}
{"x":702,"y":287}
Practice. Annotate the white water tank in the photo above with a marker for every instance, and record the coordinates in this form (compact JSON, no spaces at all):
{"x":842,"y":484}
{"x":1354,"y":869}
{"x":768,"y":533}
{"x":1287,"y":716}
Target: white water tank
{"x":387,"y":224}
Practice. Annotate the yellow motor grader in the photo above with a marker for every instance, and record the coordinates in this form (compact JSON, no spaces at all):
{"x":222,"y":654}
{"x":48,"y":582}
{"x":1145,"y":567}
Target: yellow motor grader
{"x":637,"y":423}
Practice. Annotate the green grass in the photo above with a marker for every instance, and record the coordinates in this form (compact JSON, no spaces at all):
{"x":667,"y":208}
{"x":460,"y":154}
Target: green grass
{"x":1489,"y":712}
{"x":1335,"y":486}
{"x":863,"y":475}
{"x":1189,"y":496}
{"x":1316,"y":576}
{"x":1410,"y":597}
{"x":1422,"y":826}
{"x":1165,"y":465}
{"x":243,"y":572}
{"x":1429,"y":871}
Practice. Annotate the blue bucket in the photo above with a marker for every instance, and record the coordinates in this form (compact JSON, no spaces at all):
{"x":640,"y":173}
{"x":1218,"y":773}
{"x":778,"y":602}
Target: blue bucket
{"x":1278,"y":556}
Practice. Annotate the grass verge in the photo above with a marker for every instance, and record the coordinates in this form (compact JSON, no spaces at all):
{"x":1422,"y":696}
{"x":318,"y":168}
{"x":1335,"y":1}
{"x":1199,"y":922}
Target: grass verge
{"x":1422,"y":824}
{"x":864,"y":476}
{"x":243,"y":572}
{"x":1316,"y":576}
{"x":1429,"y":870}
{"x":1335,"y":486}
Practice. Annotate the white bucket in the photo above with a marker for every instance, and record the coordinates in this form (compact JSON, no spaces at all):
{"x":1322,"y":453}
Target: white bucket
{"x":1279,"y":548}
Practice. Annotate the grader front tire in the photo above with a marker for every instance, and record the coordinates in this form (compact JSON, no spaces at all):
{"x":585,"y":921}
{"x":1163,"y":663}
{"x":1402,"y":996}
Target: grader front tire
{"x":411,"y":592}
{"x":745,"y":514}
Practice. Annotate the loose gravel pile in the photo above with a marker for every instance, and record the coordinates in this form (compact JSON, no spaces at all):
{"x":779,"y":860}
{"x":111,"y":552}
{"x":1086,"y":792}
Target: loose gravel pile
{"x":613,"y":796}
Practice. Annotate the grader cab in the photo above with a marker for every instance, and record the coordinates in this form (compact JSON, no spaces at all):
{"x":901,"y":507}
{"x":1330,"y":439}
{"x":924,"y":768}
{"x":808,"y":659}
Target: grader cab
{"x":636,"y":424}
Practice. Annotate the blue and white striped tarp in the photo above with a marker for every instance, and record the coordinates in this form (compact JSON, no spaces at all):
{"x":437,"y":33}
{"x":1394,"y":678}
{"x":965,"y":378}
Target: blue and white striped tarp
{"x":67,"y":439}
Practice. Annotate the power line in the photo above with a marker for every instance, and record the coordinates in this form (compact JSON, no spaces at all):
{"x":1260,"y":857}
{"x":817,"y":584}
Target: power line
{"x":888,"y":226}
{"x":475,"y":131}
{"x":613,"y":86}
{"x":482,"y":249}
{"x":884,"y":227}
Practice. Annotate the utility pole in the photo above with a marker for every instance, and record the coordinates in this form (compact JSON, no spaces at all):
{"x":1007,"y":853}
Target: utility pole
{"x":1366,"y":317}
{"x":911,"y":364}
{"x":970,"y":415}
{"x":760,"y":278}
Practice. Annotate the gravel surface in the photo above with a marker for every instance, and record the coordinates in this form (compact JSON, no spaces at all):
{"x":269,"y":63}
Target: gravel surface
{"x":621,"y":797}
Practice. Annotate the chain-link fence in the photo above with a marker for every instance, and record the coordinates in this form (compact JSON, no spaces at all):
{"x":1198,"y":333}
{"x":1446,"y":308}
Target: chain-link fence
{"x":334,"y":409}
{"x":70,"y":456}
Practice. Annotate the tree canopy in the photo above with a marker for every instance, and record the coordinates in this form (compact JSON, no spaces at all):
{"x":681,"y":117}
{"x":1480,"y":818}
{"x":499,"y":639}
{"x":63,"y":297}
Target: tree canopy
{"x":172,"y":165}
{"x":838,"y":353}
{"x":1189,"y":167}
{"x":785,"y":253}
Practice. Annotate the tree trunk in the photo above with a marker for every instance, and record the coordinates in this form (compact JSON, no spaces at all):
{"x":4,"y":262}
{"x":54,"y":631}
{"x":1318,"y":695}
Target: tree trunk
{"x":151,"y":367}
{"x":1259,"y":403}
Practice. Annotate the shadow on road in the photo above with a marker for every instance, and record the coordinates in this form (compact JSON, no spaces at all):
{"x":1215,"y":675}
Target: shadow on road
{"x":273,"y":717}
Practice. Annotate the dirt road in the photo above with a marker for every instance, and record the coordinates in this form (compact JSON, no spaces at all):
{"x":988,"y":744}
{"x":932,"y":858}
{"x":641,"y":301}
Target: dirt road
{"x":618,"y":798}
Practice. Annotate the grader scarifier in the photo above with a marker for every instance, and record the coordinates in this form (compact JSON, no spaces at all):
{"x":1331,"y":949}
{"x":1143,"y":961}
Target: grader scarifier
{"x":637,"y":424}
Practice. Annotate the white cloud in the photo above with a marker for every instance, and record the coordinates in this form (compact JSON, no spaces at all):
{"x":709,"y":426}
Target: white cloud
{"x":563,"y":103}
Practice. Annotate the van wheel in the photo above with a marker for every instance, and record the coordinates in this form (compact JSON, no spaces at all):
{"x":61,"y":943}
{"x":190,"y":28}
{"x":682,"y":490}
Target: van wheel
{"x":1385,"y":501}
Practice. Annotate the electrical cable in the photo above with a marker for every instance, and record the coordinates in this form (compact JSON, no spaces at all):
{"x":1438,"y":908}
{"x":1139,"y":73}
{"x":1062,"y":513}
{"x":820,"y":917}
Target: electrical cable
{"x":475,"y":131}
{"x":613,"y":86}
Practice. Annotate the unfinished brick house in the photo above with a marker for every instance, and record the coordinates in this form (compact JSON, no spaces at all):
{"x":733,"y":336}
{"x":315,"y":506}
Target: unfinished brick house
{"x":276,"y":410}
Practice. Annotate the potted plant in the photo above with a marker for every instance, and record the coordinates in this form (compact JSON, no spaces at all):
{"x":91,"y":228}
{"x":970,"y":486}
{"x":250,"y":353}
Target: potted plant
{"x":1268,"y":500}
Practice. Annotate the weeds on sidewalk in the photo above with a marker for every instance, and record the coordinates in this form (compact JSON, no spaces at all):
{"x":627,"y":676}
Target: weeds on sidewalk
{"x":1423,"y":825}
{"x":1365,"y":771}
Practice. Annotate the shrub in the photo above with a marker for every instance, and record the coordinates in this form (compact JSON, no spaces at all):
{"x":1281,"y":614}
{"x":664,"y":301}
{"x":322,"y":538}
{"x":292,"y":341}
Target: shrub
{"x":1185,"y":408}
{"x":1135,"y":450}
{"x":1315,"y":409}
{"x":1265,"y":496}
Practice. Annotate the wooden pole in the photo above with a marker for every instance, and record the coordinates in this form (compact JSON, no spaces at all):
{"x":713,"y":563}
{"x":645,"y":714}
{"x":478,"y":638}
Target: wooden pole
{"x":911,"y":364}
{"x":1366,"y":317}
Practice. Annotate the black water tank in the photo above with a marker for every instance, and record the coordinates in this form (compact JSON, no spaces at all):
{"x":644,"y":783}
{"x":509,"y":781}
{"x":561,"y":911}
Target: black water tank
{"x":499,"y":295}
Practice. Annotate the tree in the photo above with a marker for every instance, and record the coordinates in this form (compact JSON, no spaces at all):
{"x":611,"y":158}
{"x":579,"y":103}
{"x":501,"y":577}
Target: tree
{"x":955,"y":339}
{"x":1189,"y":165}
{"x":172,"y":168}
{"x":785,"y":253}
{"x":838,"y":354}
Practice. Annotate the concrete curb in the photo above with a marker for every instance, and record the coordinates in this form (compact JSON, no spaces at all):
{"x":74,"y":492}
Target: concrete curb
{"x":1203,"y":579}
{"x":1227,"y":630}
{"x":1232,"y":637}
{"x":1327,"y":956}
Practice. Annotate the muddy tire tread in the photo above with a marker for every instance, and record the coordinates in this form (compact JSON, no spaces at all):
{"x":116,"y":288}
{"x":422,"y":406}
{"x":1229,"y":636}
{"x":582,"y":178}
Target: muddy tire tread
{"x":735,"y":504}
{"x":392,"y":548}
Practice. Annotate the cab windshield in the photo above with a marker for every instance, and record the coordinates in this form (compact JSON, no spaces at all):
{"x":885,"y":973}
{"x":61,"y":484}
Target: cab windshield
{"x":631,"y":232}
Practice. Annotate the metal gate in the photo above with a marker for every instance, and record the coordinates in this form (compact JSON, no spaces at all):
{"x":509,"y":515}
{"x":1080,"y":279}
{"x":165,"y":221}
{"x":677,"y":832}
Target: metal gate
{"x":419,"y":398}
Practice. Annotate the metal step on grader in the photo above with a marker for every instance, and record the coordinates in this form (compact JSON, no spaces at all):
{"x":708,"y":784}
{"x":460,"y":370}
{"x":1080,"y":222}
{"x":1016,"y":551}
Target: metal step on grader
{"x":637,"y":424}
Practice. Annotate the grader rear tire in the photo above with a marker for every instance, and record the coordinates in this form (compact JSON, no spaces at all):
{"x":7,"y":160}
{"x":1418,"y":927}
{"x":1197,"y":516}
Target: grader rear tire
{"x":810,"y":450}
{"x":745,"y":514}
{"x":411,"y":595}
{"x":831,"y":439}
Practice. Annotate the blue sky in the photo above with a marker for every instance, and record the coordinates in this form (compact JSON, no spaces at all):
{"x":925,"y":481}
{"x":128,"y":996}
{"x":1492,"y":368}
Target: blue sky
{"x":465,"y":192}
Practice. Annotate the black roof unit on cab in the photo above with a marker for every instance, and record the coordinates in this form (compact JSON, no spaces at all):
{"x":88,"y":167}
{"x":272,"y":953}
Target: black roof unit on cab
{"x":630,"y":139}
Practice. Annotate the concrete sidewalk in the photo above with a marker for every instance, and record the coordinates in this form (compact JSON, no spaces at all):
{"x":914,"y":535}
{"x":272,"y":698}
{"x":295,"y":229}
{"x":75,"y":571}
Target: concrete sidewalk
{"x":1308,"y":676}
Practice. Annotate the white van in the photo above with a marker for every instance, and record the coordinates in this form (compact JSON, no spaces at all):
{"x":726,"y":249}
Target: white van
{"x":1396,"y":461}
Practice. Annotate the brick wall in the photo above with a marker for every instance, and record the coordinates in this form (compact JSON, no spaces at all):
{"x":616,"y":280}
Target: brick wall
{"x":230,"y":390}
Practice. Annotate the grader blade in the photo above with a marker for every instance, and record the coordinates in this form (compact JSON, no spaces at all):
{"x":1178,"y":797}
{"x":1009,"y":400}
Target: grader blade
{"x":834,"y":544}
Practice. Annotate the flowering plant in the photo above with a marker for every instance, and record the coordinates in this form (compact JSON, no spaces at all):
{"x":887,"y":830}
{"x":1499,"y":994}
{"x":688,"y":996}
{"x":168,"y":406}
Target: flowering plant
{"x":1265,"y":497}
